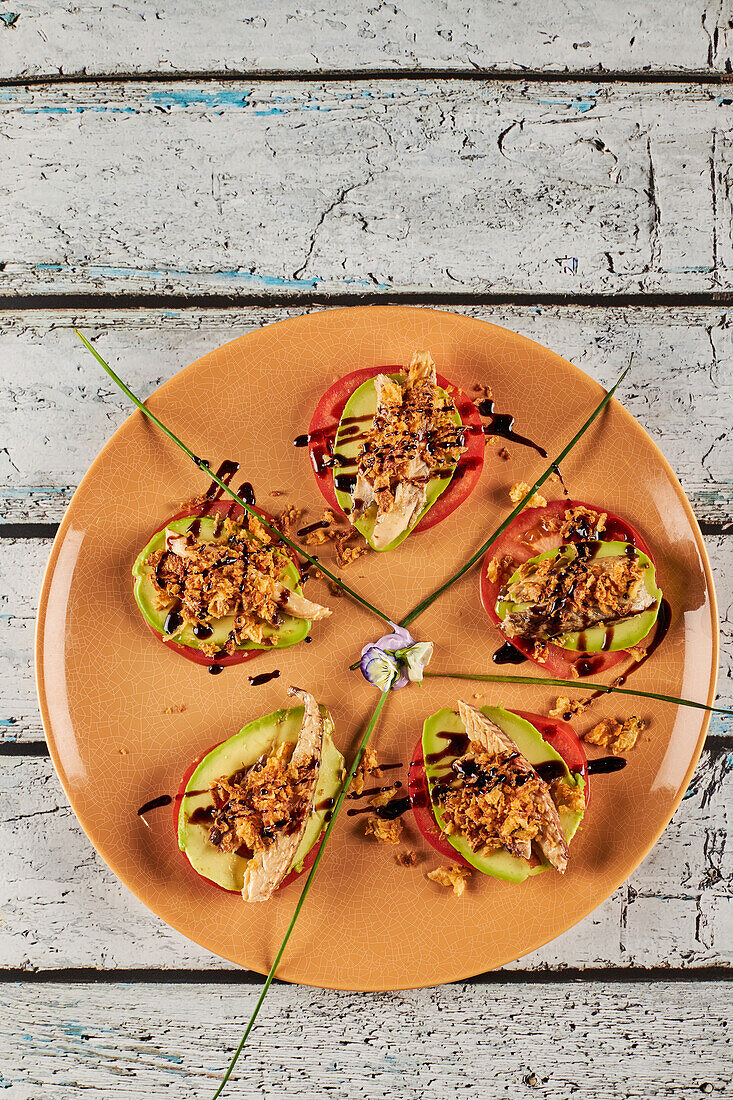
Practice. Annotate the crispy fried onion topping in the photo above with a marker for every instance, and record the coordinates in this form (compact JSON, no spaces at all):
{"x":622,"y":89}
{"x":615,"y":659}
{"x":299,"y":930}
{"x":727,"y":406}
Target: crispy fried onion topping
{"x":255,"y":804}
{"x":491,"y":802}
{"x":237,"y":576}
{"x":419,"y":426}
{"x":617,"y":735}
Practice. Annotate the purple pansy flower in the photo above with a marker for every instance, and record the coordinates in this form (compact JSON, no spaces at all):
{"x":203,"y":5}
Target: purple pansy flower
{"x":394,"y":660}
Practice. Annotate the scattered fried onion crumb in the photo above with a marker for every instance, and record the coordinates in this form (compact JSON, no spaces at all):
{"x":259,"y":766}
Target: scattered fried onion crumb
{"x":566,"y":708}
{"x":504,"y":454}
{"x":453,"y":875}
{"x":326,"y":533}
{"x":499,"y":568}
{"x":581,"y":521}
{"x":613,"y":734}
{"x":568,"y":798}
{"x":346,"y":552}
{"x":484,"y":390}
{"x":175,"y":708}
{"x":384,"y":796}
{"x":520,"y":489}
{"x":346,"y":540}
{"x":386,"y":832}
{"x":289,"y":520}
{"x":122,"y":752}
{"x":406,"y":858}
{"x":368,"y":765}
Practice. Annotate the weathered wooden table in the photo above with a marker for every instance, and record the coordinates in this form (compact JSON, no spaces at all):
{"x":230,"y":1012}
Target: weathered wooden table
{"x":176,"y":173}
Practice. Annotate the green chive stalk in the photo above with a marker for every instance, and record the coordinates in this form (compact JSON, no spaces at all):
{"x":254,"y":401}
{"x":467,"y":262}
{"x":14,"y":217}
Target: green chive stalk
{"x":222,"y":484}
{"x":574,"y":685}
{"x":425,"y":603}
{"x":301,"y":900}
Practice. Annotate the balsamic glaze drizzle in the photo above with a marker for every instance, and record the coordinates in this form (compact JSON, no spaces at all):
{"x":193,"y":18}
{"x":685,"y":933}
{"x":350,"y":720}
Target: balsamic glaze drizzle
{"x":502,"y":424}
{"x":606,"y":764}
{"x":264,"y":677}
{"x":154,"y":804}
{"x":508,"y":654}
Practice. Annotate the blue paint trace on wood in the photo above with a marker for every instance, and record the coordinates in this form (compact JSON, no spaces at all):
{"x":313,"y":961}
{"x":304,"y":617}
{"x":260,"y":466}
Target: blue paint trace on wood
{"x":249,"y":278}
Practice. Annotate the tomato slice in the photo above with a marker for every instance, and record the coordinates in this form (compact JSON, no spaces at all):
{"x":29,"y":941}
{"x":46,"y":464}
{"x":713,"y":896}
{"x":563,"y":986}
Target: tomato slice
{"x":558,"y":662}
{"x":231,"y":510}
{"x":325,"y":421}
{"x":180,"y":795}
{"x":561,"y":736}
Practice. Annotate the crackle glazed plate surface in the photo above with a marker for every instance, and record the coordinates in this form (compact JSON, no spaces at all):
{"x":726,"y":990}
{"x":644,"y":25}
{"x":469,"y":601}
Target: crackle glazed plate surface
{"x":125,"y":715}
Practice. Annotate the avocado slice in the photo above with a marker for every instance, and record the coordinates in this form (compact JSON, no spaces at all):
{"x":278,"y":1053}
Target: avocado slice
{"x":499,"y":864}
{"x":626,"y":632}
{"x":226,"y":869}
{"x":289,"y":632}
{"x":363,"y":403}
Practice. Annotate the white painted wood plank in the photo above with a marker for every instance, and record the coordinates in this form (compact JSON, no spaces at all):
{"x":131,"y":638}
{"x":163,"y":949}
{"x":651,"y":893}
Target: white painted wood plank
{"x":57,"y":408}
{"x":283,"y":188}
{"x":621,"y":1042}
{"x":61,"y":907}
{"x":88,"y":37}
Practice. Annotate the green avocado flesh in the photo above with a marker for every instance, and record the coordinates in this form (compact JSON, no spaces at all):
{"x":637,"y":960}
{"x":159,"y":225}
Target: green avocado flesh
{"x":363,"y":403}
{"x":226,"y":869}
{"x":289,"y":632}
{"x":625,"y":632}
{"x":500,"y":863}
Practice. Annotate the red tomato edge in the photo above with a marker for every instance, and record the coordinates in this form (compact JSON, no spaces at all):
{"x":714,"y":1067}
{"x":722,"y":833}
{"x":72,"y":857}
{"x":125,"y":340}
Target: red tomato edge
{"x":325,"y":421}
{"x":558,"y":734}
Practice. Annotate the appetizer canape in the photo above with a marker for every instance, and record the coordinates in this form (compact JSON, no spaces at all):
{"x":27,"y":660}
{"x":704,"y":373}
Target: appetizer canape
{"x":395,"y":449}
{"x":216,"y":586}
{"x":251,"y":810}
{"x":571,"y":587}
{"x":499,"y":791}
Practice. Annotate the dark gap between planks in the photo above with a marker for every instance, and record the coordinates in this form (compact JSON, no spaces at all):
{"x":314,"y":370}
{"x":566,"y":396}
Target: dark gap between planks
{"x":716,"y":745}
{"x":305,"y":298}
{"x":574,"y":975}
{"x":48,"y":530}
{"x":362,"y":76}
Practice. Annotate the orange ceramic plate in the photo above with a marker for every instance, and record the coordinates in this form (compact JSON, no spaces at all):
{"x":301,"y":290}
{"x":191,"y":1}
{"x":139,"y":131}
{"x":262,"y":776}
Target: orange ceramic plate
{"x":112,"y":696}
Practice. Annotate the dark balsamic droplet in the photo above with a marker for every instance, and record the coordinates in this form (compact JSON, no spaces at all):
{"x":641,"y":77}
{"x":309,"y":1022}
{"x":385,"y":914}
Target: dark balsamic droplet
{"x":264,"y":677}
{"x":502,"y":424}
{"x":317,"y":526}
{"x":345,"y":482}
{"x":606,"y":764}
{"x":202,"y":631}
{"x":301,"y":440}
{"x":202,"y":815}
{"x":550,"y":769}
{"x":508,"y":655}
{"x":172,"y":622}
{"x":216,"y":669}
{"x":154,"y":804}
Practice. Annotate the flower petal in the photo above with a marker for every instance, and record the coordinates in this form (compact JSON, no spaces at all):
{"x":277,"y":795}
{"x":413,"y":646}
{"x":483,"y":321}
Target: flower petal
{"x":379,"y":668}
{"x":416,"y":658}
{"x":400,"y":639}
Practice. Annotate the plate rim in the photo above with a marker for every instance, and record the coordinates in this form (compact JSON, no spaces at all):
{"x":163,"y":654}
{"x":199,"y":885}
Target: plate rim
{"x":307,"y":317}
